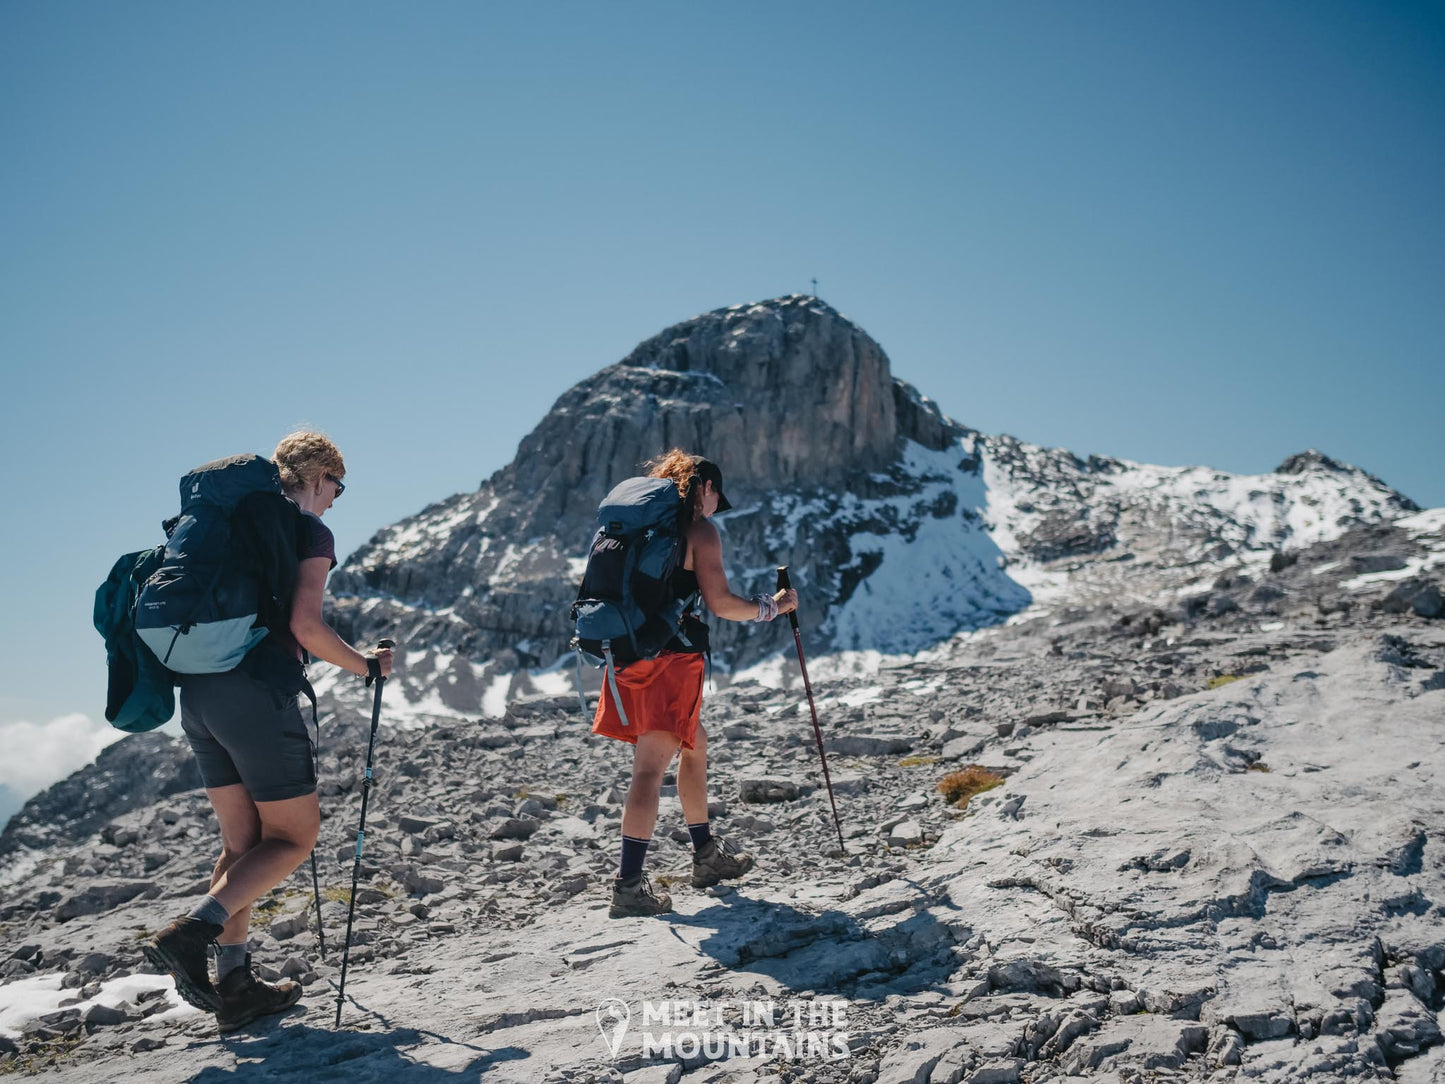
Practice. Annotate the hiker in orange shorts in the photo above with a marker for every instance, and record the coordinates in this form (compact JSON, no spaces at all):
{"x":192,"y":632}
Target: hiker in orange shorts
{"x":662,"y":698}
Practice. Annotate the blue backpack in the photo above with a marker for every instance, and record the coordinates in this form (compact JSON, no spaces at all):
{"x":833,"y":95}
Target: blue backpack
{"x":198,"y":611}
{"x":140,"y":692}
{"x":626,"y":609}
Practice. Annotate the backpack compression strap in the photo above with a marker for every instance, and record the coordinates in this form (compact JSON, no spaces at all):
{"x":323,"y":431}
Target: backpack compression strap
{"x":611,"y":669}
{"x":687,"y":607}
{"x":581,"y":696}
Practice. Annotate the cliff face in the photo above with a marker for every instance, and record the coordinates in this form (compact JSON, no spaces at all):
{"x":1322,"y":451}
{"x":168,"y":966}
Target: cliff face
{"x":784,"y":394}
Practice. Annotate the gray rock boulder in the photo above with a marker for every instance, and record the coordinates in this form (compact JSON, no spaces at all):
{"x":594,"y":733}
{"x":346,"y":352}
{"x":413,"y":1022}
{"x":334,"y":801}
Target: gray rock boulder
{"x":100,"y":896}
{"x":763,"y":789}
{"x":1416,"y":595}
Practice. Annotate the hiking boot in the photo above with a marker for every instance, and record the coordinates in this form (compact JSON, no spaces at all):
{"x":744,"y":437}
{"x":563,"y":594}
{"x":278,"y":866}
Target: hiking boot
{"x":635,"y":897}
{"x":182,"y":950}
{"x":716,"y":861}
{"x":245,"y":998}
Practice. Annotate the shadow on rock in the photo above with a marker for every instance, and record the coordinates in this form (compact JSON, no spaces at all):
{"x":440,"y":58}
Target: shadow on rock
{"x":829,"y":952}
{"x":320,"y":1053}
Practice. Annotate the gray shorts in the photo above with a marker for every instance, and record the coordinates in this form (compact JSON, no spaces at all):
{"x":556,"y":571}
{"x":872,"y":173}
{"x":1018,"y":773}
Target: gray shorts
{"x":245,"y":731}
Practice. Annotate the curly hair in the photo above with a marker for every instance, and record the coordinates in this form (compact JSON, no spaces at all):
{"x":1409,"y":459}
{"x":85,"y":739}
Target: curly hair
{"x":681,"y":468}
{"x":304,"y":456}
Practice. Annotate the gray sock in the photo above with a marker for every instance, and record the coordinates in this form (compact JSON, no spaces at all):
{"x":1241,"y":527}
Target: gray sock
{"x":228,"y":958}
{"x":210,"y":910}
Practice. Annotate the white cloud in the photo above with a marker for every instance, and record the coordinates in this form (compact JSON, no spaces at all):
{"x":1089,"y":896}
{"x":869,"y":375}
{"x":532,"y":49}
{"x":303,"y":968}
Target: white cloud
{"x":39,"y":754}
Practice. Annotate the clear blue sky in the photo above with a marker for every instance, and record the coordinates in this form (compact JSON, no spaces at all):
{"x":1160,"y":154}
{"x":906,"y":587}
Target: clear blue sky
{"x":1179,"y":233}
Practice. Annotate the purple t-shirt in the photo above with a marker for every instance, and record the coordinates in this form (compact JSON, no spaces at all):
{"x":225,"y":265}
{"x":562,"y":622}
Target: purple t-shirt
{"x":317,"y":539}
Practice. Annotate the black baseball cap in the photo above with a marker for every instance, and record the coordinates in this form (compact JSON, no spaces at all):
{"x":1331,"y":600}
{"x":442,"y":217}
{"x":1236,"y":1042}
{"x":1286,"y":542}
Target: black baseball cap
{"x":708,"y":471}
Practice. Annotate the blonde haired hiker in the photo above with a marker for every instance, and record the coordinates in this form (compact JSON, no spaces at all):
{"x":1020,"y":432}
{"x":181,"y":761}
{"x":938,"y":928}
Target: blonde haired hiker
{"x":244,"y":723}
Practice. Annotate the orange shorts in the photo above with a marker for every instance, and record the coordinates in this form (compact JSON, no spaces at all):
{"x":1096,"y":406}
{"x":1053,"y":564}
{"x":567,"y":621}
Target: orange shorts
{"x":664,"y":693}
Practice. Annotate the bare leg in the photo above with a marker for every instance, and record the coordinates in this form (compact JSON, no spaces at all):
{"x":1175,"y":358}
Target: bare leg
{"x":692,"y":780}
{"x":649,"y":760}
{"x":240,"y":832}
{"x":288,"y":832}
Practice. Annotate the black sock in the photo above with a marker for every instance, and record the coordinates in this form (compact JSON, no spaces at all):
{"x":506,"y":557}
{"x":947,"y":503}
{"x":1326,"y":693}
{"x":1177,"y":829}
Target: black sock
{"x":701,"y":835}
{"x":634,"y":852}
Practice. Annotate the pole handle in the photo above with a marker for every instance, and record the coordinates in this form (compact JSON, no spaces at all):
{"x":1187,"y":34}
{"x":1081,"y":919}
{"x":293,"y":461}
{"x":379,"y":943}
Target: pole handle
{"x":786,"y":584}
{"x":373,"y":668}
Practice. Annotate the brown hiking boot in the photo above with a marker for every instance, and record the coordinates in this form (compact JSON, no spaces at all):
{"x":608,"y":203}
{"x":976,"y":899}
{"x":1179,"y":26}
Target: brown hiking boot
{"x":245,"y":998}
{"x":716,"y":861}
{"x":635,"y":897}
{"x":183,"y":950}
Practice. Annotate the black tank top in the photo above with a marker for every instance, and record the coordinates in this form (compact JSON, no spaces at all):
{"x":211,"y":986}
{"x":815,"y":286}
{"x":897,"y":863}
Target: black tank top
{"x":684,"y":585}
{"x":684,"y":582}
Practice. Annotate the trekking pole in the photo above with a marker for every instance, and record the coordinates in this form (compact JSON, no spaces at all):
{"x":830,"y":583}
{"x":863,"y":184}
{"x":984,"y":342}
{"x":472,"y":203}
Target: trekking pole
{"x":316,"y":895}
{"x":375,"y":674}
{"x":316,"y":769}
{"x":784,"y":585}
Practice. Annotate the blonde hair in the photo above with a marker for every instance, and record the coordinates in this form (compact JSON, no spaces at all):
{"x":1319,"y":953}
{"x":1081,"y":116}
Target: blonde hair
{"x":680,"y":468}
{"x":304,"y":456}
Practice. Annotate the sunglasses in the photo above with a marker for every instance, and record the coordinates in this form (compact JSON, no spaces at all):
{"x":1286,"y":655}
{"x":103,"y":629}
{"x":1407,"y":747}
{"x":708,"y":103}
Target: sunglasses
{"x":340,"y":485}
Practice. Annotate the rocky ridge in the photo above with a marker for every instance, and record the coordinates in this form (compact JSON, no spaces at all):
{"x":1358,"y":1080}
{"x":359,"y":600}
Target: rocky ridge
{"x":903,"y":526}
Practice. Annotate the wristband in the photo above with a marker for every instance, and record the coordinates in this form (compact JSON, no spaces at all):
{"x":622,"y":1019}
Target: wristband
{"x":767,"y":607}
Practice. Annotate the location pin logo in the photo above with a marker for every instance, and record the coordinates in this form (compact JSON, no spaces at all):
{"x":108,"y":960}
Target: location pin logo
{"x":612,"y":1017}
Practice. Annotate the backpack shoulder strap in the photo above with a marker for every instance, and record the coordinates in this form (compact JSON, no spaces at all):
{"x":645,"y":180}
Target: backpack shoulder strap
{"x":266,"y":529}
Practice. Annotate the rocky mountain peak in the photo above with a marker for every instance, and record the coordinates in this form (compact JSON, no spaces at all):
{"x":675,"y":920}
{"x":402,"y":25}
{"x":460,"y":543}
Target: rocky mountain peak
{"x":1314,"y":460}
{"x":782,"y":393}
{"x":1310,"y":459}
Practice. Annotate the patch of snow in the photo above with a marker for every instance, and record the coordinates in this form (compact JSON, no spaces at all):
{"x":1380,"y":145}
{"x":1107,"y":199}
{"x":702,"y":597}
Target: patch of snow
{"x":769,"y":673}
{"x":858,"y":697}
{"x":1429,"y":521}
{"x":923,"y":687}
{"x":557,"y":681}
{"x":494,"y":700}
{"x":28,"y":999}
{"x":21,"y":865}
{"x":1413,"y":567}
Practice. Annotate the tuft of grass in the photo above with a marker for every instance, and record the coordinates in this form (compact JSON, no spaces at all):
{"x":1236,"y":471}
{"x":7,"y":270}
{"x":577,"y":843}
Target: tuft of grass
{"x":336,"y":893}
{"x":958,"y":787}
{"x":917,"y":761}
{"x":1224,"y":679}
{"x":1257,"y":766}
